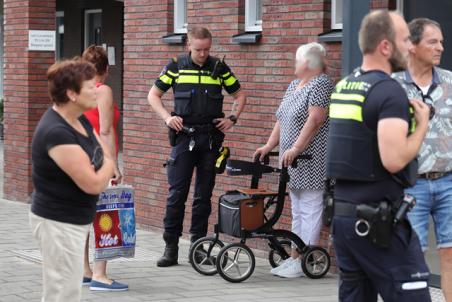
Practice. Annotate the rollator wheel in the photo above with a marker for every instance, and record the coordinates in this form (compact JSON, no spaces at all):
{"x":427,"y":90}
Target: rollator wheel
{"x":235,"y":262}
{"x":203,"y":255}
{"x":275,"y":257}
{"x":316,"y":262}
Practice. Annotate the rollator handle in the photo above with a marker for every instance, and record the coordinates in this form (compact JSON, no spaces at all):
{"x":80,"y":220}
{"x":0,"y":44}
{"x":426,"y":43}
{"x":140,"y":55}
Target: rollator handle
{"x":267,"y":156}
{"x":300,"y":157}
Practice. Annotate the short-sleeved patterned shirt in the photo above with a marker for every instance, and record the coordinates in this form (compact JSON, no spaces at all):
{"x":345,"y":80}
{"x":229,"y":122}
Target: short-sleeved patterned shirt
{"x":436,"y":151}
{"x":292,"y":115}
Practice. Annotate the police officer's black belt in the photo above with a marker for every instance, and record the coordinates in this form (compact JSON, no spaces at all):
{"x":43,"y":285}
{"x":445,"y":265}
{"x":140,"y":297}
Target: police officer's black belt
{"x":203,"y":128}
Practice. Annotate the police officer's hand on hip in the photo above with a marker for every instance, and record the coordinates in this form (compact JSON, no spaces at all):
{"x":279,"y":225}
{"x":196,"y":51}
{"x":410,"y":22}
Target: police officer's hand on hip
{"x":196,"y":132}
{"x":174,"y":122}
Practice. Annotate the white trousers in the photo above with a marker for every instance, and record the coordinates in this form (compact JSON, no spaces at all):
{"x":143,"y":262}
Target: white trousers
{"x":307,"y":207}
{"x":62,"y":248}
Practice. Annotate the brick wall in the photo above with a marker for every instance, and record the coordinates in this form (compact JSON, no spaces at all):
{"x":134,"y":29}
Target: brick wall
{"x":25,"y":89}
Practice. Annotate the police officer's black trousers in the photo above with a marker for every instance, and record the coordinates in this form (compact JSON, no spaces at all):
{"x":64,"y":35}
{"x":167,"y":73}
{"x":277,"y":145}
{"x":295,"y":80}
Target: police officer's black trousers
{"x":396,"y":273}
{"x":180,"y":169}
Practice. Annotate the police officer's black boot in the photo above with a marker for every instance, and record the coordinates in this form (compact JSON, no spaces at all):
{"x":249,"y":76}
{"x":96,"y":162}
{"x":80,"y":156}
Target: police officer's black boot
{"x":170,"y":255}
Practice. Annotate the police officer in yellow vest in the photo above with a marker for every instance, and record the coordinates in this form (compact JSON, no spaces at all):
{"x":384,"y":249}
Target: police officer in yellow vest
{"x":371,"y":146}
{"x":197,"y":125}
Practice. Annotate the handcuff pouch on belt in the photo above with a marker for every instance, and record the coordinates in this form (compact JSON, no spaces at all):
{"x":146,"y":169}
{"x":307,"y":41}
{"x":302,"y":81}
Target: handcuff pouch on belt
{"x":375,"y":222}
{"x":378,"y":222}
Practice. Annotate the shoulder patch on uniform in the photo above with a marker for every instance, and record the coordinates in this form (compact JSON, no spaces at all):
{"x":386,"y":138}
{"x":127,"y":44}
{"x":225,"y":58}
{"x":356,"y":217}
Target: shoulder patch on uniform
{"x":163,"y":71}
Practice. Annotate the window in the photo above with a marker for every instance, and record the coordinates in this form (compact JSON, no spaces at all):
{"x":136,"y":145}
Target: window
{"x":180,"y":16}
{"x":253,"y":15}
{"x":336,"y":14}
{"x":93,"y":27}
{"x":59,"y":35}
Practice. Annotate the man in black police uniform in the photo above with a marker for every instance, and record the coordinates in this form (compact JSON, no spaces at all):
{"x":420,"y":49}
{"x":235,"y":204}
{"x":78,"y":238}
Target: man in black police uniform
{"x":371,"y":146}
{"x":197,"y":127}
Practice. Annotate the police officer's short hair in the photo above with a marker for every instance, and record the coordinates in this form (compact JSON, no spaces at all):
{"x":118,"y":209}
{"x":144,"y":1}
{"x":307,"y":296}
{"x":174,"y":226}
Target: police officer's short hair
{"x":199,"y":33}
{"x":417,"y":27}
{"x":376,"y":27}
{"x":314,"y":53}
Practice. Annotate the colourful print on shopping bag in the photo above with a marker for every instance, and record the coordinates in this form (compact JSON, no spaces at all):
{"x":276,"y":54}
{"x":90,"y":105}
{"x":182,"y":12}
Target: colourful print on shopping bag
{"x":114,"y":224}
{"x":107,"y":229}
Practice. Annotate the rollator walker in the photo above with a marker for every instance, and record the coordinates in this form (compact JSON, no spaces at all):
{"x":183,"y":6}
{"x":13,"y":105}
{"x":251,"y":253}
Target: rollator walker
{"x":252,"y":213}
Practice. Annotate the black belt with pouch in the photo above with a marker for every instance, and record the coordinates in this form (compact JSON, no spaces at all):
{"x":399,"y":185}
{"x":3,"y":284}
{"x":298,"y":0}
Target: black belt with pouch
{"x":172,"y":134}
{"x":373,"y":221}
{"x":376,"y":220}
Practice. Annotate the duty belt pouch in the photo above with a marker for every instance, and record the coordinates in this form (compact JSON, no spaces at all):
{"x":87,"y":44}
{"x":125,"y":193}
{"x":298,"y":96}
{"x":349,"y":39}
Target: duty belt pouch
{"x":380,"y":223}
{"x":381,"y":232}
{"x":172,"y":136}
{"x":328,"y":204}
{"x":328,"y":210}
{"x":214,"y":104}
{"x":182,"y":103}
{"x":407,"y":177}
{"x":217,"y":137}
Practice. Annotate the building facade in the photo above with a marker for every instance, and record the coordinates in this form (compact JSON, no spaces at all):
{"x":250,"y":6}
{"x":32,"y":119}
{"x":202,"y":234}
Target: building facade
{"x":258,"y":38}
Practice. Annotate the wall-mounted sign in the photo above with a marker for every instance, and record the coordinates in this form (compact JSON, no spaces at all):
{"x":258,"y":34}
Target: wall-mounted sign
{"x":41,"y":40}
{"x":111,"y":55}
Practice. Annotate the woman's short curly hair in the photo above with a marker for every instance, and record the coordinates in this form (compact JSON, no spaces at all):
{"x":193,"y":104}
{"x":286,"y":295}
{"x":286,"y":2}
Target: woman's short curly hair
{"x":68,"y":75}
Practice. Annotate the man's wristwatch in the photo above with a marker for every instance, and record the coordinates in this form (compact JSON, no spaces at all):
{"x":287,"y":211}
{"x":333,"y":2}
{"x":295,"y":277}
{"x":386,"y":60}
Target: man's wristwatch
{"x":233,"y":118}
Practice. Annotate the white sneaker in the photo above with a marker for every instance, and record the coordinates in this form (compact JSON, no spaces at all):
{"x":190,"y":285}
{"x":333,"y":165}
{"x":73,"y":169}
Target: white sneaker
{"x":293,"y":270}
{"x":283,"y":265}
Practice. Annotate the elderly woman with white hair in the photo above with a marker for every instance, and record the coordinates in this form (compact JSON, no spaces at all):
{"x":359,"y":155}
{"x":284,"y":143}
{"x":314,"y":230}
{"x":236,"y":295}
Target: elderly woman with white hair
{"x":302,"y":128}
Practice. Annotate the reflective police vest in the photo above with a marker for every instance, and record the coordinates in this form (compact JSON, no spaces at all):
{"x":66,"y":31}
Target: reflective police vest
{"x":197,"y":96}
{"x":352,"y":151}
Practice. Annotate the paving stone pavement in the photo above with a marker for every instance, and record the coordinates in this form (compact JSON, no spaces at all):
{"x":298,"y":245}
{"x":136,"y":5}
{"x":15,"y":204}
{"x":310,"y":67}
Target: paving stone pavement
{"x":20,"y":278}
{"x":20,"y":273}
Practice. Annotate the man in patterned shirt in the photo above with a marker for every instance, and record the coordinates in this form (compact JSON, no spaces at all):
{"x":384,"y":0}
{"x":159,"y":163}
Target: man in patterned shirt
{"x":433,"y":191}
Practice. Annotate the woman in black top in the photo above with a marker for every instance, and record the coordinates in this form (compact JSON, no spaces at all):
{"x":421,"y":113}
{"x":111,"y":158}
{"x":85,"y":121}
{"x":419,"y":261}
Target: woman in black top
{"x":71,"y":167}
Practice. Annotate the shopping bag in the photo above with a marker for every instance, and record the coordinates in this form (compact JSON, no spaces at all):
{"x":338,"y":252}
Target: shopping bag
{"x":114,"y":224}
